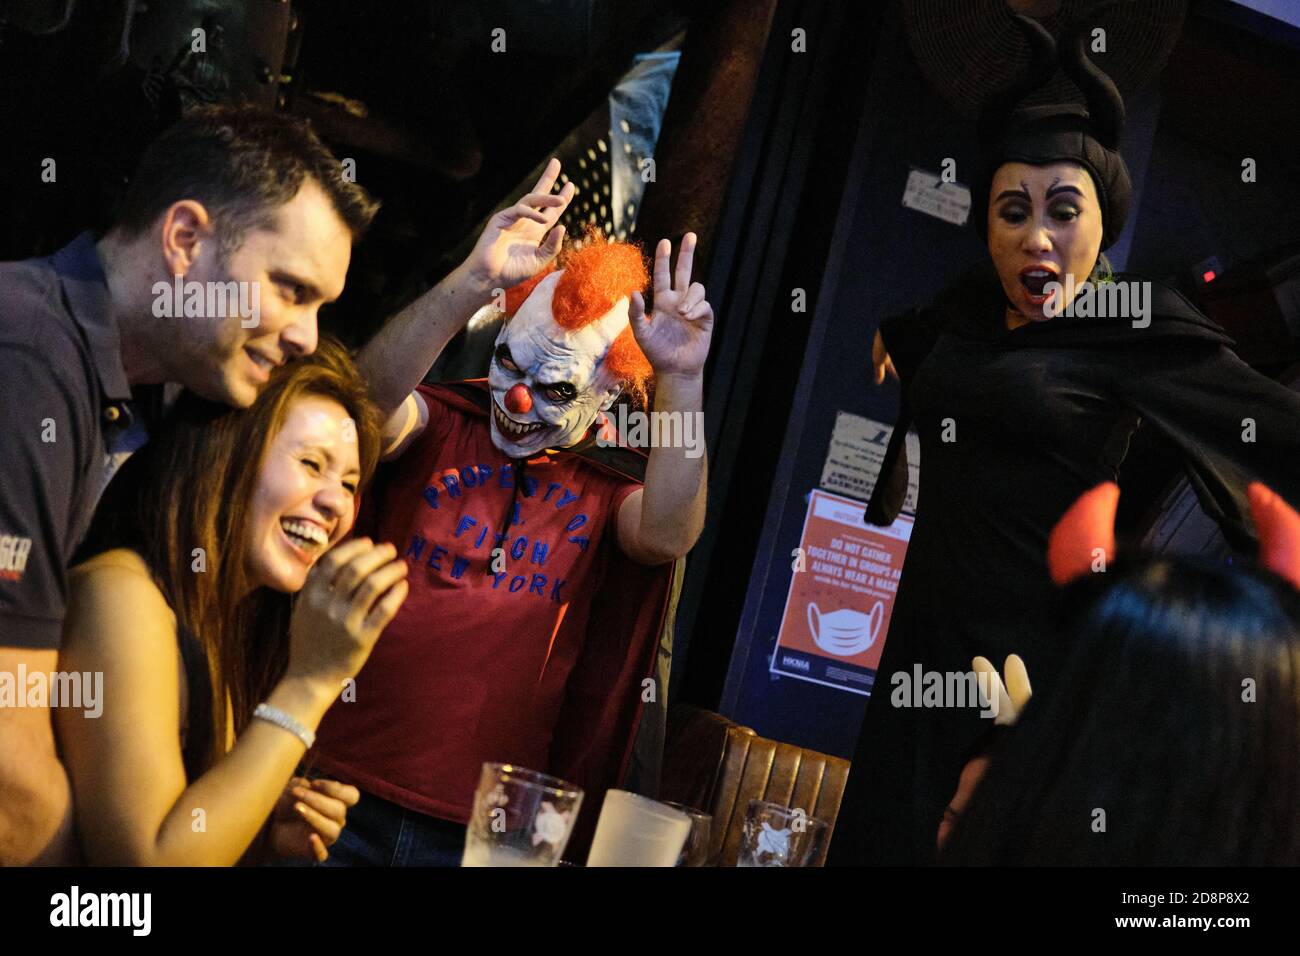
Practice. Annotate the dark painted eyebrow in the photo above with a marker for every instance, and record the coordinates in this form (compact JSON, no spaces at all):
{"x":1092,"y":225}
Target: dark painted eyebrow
{"x":1013,"y":194}
{"x":1024,"y":194}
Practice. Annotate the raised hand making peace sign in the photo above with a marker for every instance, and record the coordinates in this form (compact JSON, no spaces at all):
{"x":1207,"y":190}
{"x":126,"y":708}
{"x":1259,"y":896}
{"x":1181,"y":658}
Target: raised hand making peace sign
{"x":520,"y":241}
{"x":676,"y":337}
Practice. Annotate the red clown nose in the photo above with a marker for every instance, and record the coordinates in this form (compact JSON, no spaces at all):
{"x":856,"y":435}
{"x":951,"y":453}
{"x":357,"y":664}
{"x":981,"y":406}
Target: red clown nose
{"x":519,"y":400}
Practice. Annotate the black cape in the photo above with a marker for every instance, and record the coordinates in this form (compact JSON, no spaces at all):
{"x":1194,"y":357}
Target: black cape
{"x":1034,"y":417}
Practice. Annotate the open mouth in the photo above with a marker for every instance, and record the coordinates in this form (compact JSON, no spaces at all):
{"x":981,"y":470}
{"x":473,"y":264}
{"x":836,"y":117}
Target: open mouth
{"x":1034,"y":278}
{"x":512,"y":429}
{"x":308,"y":538}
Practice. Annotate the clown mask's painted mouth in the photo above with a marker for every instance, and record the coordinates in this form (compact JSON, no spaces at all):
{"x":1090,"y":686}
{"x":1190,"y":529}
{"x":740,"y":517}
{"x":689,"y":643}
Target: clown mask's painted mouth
{"x":512,"y":429}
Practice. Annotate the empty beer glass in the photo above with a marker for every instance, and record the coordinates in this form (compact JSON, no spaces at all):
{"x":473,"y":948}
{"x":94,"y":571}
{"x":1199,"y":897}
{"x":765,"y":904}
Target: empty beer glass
{"x":520,"y":818}
{"x":777,"y":835}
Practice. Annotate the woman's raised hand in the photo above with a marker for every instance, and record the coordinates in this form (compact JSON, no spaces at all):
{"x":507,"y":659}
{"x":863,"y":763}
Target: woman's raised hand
{"x":881,"y":363}
{"x":1007,"y":701}
{"x":350,"y":596}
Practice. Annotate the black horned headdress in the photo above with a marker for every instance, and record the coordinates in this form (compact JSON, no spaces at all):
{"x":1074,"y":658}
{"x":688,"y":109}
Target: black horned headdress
{"x":1009,"y":132}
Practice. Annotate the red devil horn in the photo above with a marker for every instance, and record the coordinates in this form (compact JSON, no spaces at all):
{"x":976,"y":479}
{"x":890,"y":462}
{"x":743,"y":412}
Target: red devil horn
{"x":1089,"y":524}
{"x":1279,"y":532}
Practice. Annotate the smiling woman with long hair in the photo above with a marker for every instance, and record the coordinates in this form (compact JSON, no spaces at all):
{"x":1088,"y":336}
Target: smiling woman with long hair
{"x":183,"y":601}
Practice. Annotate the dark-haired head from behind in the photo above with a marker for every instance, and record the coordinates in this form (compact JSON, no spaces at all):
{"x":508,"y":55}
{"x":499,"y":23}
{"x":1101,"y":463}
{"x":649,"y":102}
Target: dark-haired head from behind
{"x":1172,"y":737}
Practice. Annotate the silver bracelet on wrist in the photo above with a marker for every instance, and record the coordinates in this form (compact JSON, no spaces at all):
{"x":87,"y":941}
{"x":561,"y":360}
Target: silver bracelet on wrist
{"x":282,"y":720}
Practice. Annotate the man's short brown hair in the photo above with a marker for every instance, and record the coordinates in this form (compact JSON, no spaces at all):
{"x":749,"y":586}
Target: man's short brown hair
{"x":242,"y":163}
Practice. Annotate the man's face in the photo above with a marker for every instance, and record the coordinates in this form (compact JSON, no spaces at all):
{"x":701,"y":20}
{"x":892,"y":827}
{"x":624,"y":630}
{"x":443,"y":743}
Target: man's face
{"x":292,"y":268}
{"x":548,"y":383}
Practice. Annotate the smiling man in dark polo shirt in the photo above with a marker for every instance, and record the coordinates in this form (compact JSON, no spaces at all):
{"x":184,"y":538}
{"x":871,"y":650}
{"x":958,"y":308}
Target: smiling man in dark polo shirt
{"x":228,"y":194}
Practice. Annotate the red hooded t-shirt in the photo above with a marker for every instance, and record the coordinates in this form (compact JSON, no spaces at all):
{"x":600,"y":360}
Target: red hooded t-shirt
{"x":474,"y":666}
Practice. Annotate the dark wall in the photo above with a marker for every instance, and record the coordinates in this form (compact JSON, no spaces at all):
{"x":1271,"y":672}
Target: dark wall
{"x":884,"y":258}
{"x":1231,"y":91}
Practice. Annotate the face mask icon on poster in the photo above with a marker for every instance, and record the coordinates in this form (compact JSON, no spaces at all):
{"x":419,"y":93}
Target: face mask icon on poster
{"x":845,"y":632}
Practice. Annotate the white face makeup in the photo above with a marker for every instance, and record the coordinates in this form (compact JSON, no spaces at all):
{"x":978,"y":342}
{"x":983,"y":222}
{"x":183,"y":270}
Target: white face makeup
{"x":549,"y":383}
{"x":1044,"y":224}
{"x":303,"y":503}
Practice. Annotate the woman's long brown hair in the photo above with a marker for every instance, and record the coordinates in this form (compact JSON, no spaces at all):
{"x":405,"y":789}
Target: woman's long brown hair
{"x":183,"y":503}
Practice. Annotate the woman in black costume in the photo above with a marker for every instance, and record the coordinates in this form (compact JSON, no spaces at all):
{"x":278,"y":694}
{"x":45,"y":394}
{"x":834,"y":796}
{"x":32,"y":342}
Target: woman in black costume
{"x":1018,"y":413}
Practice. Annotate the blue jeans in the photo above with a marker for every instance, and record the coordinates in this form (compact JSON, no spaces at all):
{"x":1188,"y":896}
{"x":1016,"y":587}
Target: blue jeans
{"x":380,"y":833}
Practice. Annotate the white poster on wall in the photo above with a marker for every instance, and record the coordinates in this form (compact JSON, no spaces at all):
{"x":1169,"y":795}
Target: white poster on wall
{"x":856,"y":453}
{"x":928,"y":193}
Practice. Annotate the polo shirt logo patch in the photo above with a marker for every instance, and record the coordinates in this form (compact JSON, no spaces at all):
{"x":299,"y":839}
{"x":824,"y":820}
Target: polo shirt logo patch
{"x":13,"y":556}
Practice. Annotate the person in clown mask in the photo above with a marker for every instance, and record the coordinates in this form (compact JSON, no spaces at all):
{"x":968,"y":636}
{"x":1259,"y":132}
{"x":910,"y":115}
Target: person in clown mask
{"x":543,"y":562}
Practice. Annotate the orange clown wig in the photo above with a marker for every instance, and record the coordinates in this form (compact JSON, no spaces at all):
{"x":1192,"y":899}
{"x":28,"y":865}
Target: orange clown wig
{"x":595,"y":275}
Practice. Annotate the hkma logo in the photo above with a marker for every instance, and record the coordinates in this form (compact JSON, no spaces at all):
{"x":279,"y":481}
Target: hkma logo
{"x":208,"y":300}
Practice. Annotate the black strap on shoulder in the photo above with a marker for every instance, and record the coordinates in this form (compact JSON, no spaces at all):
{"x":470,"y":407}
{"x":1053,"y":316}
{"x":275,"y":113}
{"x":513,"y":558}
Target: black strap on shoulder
{"x":625,"y":462}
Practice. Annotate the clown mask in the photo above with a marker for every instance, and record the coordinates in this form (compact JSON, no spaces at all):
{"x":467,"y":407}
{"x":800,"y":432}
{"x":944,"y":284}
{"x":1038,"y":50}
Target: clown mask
{"x":563,"y":355}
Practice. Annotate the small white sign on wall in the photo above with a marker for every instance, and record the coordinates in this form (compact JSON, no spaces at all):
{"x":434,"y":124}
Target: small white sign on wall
{"x":929,"y":194}
{"x":856,"y":453}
